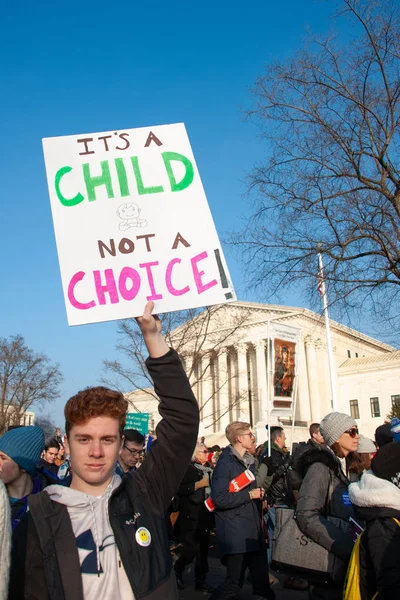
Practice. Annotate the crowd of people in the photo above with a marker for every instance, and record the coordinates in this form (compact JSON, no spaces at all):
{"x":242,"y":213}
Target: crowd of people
{"x":97,"y":514}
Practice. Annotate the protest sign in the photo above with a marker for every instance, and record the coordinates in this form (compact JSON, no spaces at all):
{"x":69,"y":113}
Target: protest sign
{"x":139,"y":421}
{"x":132,"y":224}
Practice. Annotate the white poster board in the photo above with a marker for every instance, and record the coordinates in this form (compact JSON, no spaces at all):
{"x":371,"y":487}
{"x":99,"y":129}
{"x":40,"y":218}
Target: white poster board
{"x":132,"y":224}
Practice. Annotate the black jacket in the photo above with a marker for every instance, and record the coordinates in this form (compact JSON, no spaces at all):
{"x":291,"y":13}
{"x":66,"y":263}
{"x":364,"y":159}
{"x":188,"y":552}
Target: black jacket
{"x":237,"y":518}
{"x":279,"y":467}
{"x":380,"y":542}
{"x":380,"y":554}
{"x":193,"y":514}
{"x":52,"y":569}
{"x":302,"y":448}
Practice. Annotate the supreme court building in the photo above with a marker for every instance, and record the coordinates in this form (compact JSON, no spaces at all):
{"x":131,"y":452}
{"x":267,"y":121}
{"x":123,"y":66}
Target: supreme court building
{"x":266,"y":364}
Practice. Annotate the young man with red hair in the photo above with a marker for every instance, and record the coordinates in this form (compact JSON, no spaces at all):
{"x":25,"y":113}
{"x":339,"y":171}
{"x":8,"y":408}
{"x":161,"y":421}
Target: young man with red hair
{"x":106,"y":538}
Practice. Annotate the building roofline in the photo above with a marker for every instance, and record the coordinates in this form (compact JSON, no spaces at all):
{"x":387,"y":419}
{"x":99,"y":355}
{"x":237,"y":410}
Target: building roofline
{"x":309,"y":314}
{"x":366,"y":362}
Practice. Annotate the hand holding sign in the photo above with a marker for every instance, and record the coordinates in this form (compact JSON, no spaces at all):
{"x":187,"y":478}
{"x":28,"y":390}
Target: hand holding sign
{"x":150,"y":326}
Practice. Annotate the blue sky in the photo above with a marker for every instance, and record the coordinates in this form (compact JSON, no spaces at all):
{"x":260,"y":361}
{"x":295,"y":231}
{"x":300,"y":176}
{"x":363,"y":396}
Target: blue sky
{"x":95,"y":66}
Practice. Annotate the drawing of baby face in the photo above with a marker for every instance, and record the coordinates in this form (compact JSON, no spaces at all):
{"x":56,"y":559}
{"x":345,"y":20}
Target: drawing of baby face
{"x":128,"y":211}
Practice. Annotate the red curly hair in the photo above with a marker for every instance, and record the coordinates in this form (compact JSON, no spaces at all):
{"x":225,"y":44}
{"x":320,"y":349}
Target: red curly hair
{"x":95,"y":402}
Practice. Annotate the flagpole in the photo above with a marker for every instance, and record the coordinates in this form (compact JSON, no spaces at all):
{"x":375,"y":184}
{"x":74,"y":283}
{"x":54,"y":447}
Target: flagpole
{"x":294,"y":407}
{"x":322,"y":290}
{"x":269,"y":358}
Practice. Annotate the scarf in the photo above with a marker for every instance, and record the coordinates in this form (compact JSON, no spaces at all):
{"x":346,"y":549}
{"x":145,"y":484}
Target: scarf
{"x":205,"y":471}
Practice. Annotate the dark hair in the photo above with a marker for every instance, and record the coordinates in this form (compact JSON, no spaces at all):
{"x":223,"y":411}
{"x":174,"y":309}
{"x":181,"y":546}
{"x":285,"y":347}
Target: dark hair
{"x":336,"y":449}
{"x":51,"y":444}
{"x":95,"y":402}
{"x":259,"y":450}
{"x":276,"y":432}
{"x":133,"y":435}
{"x":357,"y":462}
{"x":215,"y":448}
{"x":314,"y":427}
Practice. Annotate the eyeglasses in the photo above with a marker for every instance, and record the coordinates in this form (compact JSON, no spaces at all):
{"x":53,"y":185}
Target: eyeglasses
{"x":136,"y":452}
{"x":352,"y":432}
{"x":250,"y":434}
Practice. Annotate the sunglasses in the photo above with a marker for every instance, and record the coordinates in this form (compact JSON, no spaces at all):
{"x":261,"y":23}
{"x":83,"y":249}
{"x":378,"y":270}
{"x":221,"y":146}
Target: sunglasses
{"x":352,"y":432}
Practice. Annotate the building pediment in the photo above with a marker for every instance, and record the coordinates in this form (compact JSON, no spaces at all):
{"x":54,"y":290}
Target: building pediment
{"x":238,"y":321}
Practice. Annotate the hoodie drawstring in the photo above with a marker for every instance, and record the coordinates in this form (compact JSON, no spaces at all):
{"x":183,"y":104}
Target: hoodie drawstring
{"x":96,"y":535}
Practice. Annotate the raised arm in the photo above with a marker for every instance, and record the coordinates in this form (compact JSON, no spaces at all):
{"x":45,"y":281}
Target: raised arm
{"x":169,"y":456}
{"x":150,"y":326}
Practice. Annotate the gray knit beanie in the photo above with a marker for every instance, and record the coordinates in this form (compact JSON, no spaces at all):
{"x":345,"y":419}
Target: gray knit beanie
{"x":24,"y":445}
{"x":366,"y":446}
{"x":334,"y":425}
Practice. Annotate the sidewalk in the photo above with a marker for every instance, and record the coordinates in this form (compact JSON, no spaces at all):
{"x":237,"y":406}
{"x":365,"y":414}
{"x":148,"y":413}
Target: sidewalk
{"x":216,"y":576}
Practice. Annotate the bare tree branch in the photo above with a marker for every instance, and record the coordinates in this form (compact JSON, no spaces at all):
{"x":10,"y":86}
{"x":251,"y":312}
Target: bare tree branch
{"x":331,"y":179}
{"x":25,"y":378}
{"x":197,"y":335}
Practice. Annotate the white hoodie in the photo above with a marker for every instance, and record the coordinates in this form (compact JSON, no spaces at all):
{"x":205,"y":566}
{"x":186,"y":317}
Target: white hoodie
{"x":103,"y":575}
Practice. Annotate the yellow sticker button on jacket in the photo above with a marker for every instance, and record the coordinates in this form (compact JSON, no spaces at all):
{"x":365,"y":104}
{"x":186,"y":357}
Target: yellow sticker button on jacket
{"x":143,"y":536}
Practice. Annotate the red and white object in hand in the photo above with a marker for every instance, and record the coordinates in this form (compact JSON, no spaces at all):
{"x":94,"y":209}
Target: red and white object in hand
{"x":236,"y":485}
{"x":209,"y":504}
{"x":241,"y":481}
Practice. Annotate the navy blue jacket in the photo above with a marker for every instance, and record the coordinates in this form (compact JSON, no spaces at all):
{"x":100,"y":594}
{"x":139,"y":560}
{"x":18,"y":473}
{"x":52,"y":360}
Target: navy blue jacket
{"x":238,"y":519}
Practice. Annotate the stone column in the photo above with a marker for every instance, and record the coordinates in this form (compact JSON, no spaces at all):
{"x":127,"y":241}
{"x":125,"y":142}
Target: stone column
{"x":303,"y":412}
{"x":260,"y":413}
{"x":206,"y":415}
{"x":223,"y":389}
{"x":312,"y":375}
{"x":242,"y":383}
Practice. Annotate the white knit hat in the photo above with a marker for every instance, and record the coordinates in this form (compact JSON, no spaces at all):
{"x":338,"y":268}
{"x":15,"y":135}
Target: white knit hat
{"x":365,"y":445}
{"x":334,"y":425}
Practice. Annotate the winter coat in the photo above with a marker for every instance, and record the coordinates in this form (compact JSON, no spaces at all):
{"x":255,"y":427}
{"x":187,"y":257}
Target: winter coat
{"x":302,"y":448}
{"x":52,"y":567}
{"x":237,"y":517}
{"x":263,"y":479}
{"x":318,"y":500}
{"x":19,"y":522}
{"x":48,"y":469}
{"x":279,"y":466}
{"x":193,"y":514}
{"x":377,"y":502}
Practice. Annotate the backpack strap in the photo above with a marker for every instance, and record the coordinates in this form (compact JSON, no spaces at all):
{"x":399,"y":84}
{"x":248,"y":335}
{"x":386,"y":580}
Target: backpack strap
{"x":58,"y":545}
